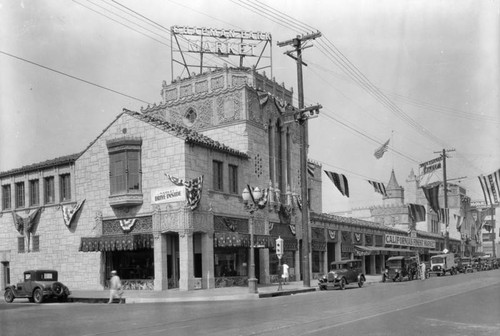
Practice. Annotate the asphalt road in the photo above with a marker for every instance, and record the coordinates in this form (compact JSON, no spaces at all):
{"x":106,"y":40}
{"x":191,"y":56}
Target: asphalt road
{"x":467,"y":304}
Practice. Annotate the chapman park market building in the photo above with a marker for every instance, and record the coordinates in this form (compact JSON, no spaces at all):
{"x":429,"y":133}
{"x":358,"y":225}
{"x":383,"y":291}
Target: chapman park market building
{"x":157,"y":196}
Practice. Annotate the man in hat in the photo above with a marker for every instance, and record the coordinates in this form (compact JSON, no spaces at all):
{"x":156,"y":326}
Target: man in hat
{"x":115,"y":286}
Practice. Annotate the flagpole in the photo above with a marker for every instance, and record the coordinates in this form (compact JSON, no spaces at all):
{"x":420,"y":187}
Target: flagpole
{"x":493,"y":239}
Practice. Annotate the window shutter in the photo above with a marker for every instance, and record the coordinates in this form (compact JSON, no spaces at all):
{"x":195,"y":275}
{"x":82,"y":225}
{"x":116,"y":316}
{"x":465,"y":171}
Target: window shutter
{"x":133,"y":171}
{"x":20,"y":244}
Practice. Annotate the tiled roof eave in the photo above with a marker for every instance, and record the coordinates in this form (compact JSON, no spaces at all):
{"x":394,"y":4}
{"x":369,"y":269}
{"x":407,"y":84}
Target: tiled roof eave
{"x":63,"y":160}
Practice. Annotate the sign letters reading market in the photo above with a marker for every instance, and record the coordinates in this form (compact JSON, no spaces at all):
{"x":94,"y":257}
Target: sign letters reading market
{"x":409,"y":241}
{"x":221,"y":41}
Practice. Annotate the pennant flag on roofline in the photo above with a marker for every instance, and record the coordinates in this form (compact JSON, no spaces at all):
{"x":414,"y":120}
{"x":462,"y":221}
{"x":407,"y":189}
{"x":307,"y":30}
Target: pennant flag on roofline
{"x":340,"y":182}
{"x":378,"y":187}
{"x":381,"y":150}
{"x":416,"y":212}
{"x":432,"y":196}
{"x":310,"y":168}
{"x":491,"y":187}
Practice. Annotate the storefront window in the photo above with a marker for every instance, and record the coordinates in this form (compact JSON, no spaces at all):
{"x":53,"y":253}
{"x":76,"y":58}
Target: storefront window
{"x":317,"y":261}
{"x":231,"y":262}
{"x":288,"y":258}
{"x":133,"y":264}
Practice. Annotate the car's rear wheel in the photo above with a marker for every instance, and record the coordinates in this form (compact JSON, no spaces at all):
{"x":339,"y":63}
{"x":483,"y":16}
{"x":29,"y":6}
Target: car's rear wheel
{"x":9,"y":296}
{"x":38,"y":295}
{"x":342,"y":284}
{"x":361,"y":281}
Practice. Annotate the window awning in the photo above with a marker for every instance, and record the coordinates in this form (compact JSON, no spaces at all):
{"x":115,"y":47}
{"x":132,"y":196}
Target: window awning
{"x":376,"y":250}
{"x":117,"y":243}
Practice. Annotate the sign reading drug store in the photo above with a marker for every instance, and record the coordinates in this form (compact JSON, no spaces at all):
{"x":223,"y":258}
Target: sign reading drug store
{"x":409,"y":241}
{"x":168,"y":195}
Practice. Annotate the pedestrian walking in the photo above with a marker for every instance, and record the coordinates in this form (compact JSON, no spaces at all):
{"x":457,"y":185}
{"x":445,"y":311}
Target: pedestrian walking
{"x":115,"y":287}
{"x":422,"y":271}
{"x":285,"y":274}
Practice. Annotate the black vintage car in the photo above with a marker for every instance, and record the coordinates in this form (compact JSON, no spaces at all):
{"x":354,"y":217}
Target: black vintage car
{"x":400,"y":267}
{"x":341,"y":274}
{"x":37,"y":286}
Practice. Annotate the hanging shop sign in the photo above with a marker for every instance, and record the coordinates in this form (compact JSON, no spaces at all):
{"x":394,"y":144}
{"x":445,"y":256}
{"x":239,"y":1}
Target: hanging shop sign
{"x":168,"y":195}
{"x":409,"y":241}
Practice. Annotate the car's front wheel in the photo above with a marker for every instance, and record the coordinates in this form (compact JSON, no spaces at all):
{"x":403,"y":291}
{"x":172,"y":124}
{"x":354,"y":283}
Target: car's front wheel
{"x":342,"y":284}
{"x":9,"y":296}
{"x":38,"y":295}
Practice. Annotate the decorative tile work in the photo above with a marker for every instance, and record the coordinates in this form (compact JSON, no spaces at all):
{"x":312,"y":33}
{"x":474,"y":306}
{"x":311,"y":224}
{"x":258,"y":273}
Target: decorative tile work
{"x":217,"y":83}
{"x":228,"y":107}
{"x":200,"y":87}
{"x":258,"y":165}
{"x":112,"y":226}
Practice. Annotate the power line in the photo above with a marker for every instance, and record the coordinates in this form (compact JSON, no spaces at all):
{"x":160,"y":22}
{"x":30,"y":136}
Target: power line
{"x":73,"y":77}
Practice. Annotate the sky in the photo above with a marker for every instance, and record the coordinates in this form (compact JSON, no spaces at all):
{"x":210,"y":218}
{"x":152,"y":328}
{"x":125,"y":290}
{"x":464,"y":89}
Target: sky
{"x":422,"y":74}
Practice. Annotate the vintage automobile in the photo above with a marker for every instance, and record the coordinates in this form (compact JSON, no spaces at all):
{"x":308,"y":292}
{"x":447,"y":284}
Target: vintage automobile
{"x":465,"y":265}
{"x":37,"y":286}
{"x":341,"y":274}
{"x":400,"y":267}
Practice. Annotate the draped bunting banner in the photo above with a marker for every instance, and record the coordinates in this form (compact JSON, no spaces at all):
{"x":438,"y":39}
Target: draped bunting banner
{"x":263,"y":98}
{"x":340,"y":182}
{"x":378,"y":187}
{"x":281,"y":105}
{"x":416,"y":212}
{"x":127,"y":224}
{"x":432,"y":196}
{"x":458,"y":218}
{"x":310,"y":168}
{"x":25,"y":224}
{"x":292,"y":228}
{"x":69,"y":212}
{"x":193,"y":189}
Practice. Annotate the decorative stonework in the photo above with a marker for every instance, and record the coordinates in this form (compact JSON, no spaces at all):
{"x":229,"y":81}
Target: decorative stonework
{"x":170,"y":94}
{"x":200,"y":87}
{"x":239,"y":80}
{"x":113,"y":227}
{"x":258,"y":165}
{"x":186,"y":90}
{"x":217,"y":83}
{"x":228,"y":107}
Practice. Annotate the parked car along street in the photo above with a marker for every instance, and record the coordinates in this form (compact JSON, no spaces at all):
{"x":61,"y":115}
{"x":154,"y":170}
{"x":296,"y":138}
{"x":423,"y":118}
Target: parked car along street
{"x":341,"y":274}
{"x":37,"y":286}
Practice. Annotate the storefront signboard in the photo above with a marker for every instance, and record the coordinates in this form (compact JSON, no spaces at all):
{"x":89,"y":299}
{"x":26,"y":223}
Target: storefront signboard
{"x":409,"y":241}
{"x":168,"y":195}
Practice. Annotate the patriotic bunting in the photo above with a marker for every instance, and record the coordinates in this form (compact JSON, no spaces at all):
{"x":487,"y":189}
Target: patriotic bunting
{"x":193,"y":189}
{"x":381,"y":150}
{"x":340,"y":182}
{"x":127,"y":224}
{"x":432,"y":196}
{"x":491,"y":187}
{"x":378,"y":187}
{"x":416,"y":212}
{"x":25,"y":224}
{"x":69,"y":212}
{"x":459,"y":220}
{"x":444,"y":216}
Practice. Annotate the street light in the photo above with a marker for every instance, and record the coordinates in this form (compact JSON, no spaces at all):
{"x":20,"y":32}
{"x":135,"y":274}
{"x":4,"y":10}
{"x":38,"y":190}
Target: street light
{"x":253,"y":200}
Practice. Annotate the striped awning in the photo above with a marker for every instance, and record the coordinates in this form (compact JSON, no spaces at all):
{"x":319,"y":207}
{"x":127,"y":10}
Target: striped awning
{"x":117,"y":243}
{"x":375,"y":250}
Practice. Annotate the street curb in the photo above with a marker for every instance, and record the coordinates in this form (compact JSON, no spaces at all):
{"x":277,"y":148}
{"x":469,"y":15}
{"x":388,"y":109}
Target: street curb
{"x":283,"y":293}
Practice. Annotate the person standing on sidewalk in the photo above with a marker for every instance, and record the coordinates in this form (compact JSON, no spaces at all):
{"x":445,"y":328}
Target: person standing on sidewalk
{"x":285,"y":274}
{"x":422,"y":271}
{"x":115,"y":286}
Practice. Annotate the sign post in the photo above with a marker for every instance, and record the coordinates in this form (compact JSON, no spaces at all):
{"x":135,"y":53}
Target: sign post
{"x":279,"y":254}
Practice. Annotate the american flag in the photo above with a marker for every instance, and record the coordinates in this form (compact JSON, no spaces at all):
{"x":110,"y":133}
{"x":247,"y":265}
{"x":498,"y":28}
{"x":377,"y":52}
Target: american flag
{"x":416,"y":212}
{"x":491,"y":187}
{"x":444,"y":216}
{"x":380,"y":151}
{"x":193,"y":189}
{"x":69,"y":212}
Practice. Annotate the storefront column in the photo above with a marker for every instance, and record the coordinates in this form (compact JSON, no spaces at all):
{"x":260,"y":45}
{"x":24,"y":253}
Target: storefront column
{"x":373,"y":268}
{"x":297,"y":265}
{"x":325,"y":261}
{"x":186,"y":261}
{"x":207,"y":264}
{"x":160,"y":262}
{"x":338,"y":249}
{"x":264,"y":276}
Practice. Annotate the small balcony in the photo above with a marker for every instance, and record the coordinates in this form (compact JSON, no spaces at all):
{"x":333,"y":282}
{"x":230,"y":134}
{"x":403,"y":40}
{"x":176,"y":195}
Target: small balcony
{"x":125,"y":200}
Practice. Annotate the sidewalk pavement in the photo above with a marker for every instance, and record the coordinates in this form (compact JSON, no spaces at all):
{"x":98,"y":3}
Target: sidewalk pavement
{"x":199,"y":295}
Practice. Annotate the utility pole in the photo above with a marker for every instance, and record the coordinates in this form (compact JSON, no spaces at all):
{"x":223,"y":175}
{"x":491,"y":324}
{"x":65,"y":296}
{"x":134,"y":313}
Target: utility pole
{"x":445,"y":196}
{"x":301,"y":117}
